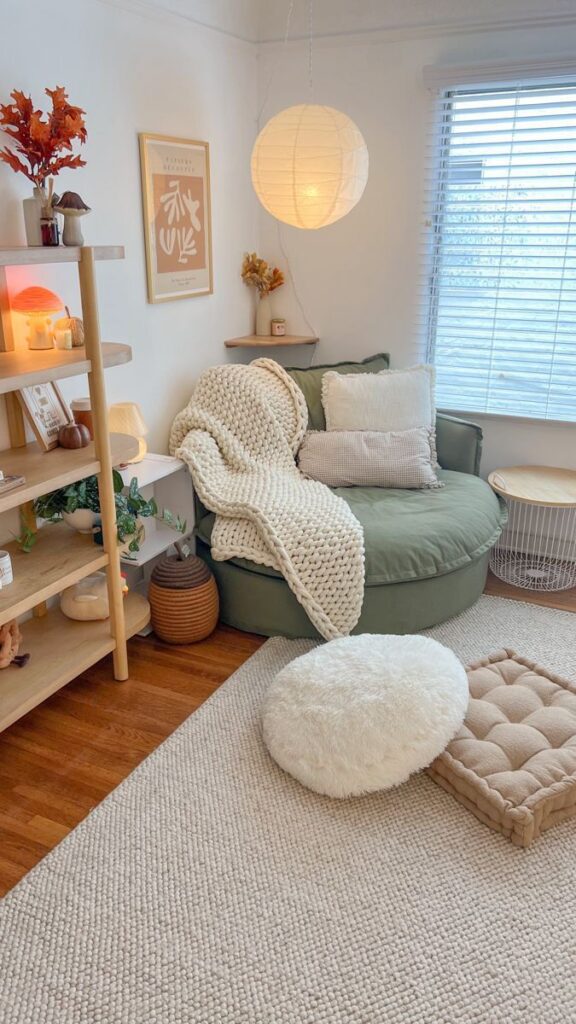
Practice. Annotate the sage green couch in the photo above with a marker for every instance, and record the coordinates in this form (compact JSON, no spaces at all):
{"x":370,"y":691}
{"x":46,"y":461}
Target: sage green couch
{"x":427,"y":551}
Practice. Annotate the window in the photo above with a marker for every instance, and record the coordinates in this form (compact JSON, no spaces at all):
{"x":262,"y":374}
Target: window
{"x":501,"y":306}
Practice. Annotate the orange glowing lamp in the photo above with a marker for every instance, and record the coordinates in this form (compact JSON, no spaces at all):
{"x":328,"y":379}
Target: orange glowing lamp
{"x":38,"y":305}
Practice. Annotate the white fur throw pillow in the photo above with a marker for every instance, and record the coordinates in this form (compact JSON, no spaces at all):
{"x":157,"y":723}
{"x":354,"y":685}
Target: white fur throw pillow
{"x":350,"y":458}
{"x":385,"y":401}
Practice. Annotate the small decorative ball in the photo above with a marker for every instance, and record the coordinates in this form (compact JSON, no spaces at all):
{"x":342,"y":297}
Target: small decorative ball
{"x":183,"y":599}
{"x":73,"y":435}
{"x":362,"y":713}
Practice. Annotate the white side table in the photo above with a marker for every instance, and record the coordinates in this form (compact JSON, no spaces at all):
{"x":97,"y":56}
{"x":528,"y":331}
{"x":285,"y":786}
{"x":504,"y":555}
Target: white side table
{"x":537,"y":549}
{"x":168,"y":480}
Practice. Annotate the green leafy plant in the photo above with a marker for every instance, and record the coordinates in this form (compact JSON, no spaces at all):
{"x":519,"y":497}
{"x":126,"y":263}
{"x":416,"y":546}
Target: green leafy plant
{"x":27,"y":537}
{"x":131,"y":506}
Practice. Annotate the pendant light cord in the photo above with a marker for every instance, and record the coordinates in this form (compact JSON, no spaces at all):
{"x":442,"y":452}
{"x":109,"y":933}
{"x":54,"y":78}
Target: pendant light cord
{"x":260,"y":112}
{"x":310,"y":34}
{"x":273,"y":72}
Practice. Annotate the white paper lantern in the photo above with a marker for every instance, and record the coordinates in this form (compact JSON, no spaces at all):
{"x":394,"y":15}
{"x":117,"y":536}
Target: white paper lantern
{"x":309,"y":166}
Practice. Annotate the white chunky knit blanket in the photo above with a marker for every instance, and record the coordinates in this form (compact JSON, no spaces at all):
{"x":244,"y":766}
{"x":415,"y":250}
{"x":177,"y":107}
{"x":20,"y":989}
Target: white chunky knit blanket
{"x":239,"y":435}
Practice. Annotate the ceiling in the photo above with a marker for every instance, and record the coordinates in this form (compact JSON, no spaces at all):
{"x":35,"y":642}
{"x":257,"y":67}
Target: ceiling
{"x":265,"y":20}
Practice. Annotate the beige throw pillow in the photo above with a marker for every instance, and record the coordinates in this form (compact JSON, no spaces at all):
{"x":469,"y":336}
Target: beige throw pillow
{"x":351,"y":458}
{"x":391,"y":400}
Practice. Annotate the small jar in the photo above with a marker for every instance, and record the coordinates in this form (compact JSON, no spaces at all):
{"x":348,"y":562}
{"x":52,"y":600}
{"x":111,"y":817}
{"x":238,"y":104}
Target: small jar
{"x":278,"y":327}
{"x":82,"y":412}
{"x":49,"y":231}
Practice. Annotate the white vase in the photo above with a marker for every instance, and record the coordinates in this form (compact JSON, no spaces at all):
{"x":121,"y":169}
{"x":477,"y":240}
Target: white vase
{"x":263,"y":316}
{"x":83,"y":519}
{"x":32,"y":213}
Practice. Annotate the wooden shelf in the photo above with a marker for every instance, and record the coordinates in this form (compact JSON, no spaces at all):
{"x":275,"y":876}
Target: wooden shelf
{"x":46,"y":471}
{"x":60,"y":649}
{"x":270,"y":341}
{"x":59,"y":558}
{"x":156,"y":542}
{"x":21,"y":368}
{"x":151,"y":468}
{"x":22,"y":255}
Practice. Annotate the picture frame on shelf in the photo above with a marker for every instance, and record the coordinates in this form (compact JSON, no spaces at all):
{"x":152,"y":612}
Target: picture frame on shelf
{"x":177,"y":216}
{"x":46,"y":411}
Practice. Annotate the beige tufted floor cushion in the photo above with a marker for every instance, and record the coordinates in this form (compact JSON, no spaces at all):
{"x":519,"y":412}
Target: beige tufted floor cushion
{"x":513,"y":763}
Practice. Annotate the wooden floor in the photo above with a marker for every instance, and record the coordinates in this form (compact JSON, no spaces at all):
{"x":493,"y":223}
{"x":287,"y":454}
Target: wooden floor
{"x":62,"y":759}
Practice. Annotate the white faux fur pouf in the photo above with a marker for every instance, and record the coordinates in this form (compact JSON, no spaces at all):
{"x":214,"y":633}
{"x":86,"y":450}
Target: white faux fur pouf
{"x":362,"y":713}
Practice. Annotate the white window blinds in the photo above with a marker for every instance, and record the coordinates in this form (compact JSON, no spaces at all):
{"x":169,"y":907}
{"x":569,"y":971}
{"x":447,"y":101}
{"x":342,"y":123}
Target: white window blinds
{"x":501,"y":301}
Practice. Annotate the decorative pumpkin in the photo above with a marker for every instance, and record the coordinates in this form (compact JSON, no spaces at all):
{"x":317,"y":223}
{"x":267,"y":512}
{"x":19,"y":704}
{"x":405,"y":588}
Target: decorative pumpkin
{"x":73,"y":324}
{"x":73,"y":435}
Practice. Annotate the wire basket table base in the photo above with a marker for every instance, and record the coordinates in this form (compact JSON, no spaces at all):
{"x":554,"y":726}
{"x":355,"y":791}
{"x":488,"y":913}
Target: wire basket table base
{"x":537,"y":548}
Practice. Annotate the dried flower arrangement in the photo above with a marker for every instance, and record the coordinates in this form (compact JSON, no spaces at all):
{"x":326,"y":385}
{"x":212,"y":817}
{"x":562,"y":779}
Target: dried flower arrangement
{"x":44,"y":142}
{"x":40,"y":142}
{"x":257,"y":273}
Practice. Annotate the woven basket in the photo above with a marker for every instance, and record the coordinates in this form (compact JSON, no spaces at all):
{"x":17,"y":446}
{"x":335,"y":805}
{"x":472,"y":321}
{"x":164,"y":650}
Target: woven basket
{"x":183,"y":600}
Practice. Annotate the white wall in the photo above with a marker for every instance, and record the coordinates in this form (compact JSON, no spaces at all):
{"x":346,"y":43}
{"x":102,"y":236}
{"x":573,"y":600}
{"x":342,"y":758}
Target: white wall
{"x":359,"y":278}
{"x":136,"y":71}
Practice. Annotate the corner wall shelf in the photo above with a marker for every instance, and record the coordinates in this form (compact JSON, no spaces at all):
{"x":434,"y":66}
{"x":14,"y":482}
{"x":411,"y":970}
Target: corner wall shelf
{"x":270,"y":341}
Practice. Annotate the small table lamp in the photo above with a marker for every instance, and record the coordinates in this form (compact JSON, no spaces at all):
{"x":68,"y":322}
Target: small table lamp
{"x":38,"y":304}
{"x":126,"y":418}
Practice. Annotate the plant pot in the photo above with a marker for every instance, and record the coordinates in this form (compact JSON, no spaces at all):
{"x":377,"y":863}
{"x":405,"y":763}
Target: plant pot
{"x":32,"y":208}
{"x":263,"y":316}
{"x":83,"y":520}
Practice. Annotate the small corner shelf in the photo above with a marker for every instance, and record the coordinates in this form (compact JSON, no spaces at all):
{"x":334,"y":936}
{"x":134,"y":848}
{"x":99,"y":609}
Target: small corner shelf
{"x":270,"y":341}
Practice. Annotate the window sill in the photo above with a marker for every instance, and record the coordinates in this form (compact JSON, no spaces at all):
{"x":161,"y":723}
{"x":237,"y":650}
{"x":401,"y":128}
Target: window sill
{"x":468,"y":414}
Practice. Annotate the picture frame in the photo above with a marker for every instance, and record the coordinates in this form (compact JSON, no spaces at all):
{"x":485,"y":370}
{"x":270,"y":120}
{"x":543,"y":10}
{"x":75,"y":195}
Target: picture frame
{"x":46,"y":411}
{"x":176,"y":204}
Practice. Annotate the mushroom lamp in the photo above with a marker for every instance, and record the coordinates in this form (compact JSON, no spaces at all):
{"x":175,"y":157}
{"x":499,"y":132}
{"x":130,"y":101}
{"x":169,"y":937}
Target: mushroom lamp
{"x":37,"y":305}
{"x":126,"y":418}
{"x":72,"y":206}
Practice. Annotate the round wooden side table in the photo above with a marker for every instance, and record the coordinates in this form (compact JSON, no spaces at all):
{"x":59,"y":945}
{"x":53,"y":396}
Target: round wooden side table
{"x":537,"y":548}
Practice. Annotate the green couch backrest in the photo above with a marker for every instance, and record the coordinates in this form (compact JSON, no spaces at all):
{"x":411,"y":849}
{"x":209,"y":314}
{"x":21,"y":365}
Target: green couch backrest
{"x":459,"y":443}
{"x":309,"y":380}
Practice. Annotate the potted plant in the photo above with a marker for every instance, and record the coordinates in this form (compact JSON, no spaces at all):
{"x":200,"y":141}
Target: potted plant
{"x":44,"y":142}
{"x":79,"y":506}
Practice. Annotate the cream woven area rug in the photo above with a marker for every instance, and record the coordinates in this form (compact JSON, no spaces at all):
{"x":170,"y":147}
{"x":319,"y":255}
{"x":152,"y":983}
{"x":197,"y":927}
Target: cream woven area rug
{"x":210,"y":888}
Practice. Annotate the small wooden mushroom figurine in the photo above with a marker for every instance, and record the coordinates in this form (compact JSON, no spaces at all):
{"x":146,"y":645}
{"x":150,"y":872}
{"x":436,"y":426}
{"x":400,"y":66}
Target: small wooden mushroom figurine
{"x":73,"y":207}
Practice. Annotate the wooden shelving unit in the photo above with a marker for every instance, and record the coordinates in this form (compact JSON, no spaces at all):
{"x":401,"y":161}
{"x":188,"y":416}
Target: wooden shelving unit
{"x":270,"y":341}
{"x":59,"y":651}
{"x":63,"y":467}
{"x":22,"y":368}
{"x":61,"y":648}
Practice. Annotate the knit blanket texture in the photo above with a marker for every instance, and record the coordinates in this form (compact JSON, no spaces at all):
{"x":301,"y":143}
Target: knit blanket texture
{"x":239,"y":436}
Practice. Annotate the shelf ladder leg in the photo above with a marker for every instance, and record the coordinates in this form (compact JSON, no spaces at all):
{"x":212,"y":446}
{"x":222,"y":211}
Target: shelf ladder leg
{"x":86,"y":269}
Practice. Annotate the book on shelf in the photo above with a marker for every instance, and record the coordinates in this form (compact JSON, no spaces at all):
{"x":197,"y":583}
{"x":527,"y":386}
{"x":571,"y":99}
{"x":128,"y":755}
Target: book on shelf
{"x":8,"y":483}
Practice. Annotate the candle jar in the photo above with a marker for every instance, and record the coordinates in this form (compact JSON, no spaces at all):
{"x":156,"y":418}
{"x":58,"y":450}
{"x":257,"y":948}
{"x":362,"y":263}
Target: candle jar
{"x":278,"y":327}
{"x":63,"y":338}
{"x":81,"y":409}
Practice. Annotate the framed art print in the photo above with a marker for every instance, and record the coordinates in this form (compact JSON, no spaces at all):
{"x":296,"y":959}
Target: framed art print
{"x":176,"y":200}
{"x":46,"y":411}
